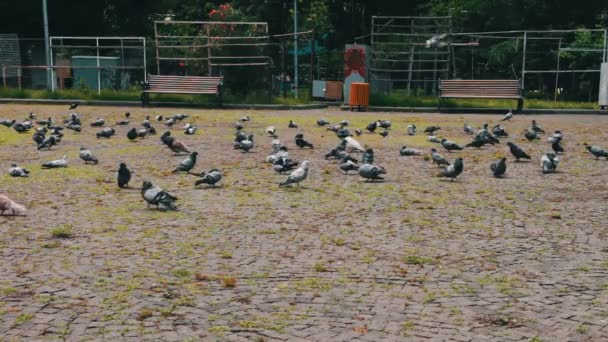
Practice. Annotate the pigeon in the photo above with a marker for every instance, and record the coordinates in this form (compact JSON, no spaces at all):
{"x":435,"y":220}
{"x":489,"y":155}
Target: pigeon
{"x":353,"y":144}
{"x":384,"y":124}
{"x":170,"y":122}
{"x":301,"y":142}
{"x":335,"y":128}
{"x":453,"y":170}
{"x":384,"y":133}
{"x":97,"y":122}
{"x":358,"y":131}
{"x":371,"y":172}
{"x":87,"y":156}
{"x":531,"y":135}
{"x":212,"y":177}
{"x":348,"y":165}
{"x":278,"y":146}
{"x":238,"y":126}
{"x":22,"y":127}
{"x":38,"y":138}
{"x":7,"y":123}
{"x":322,"y":122}
{"x":335,"y":152}
{"x":434,"y":139}
{"x":31,"y":116}
{"x":106,"y":133}
{"x":16,"y":171}
{"x":486,"y":136}
{"x":180,"y":116}
{"x":557,"y":147}
{"x":431,"y":130}
{"x":143,"y":132}
{"x":122,"y":122}
{"x":73,"y":106}
{"x":292,"y":124}
{"x":284,"y":164}
{"x":271,"y":131}
{"x":344,"y":123}
{"x":48,"y":122}
{"x":127,"y":115}
{"x":8,"y":207}
{"x":343,"y":133}
{"x":499,"y":167}
{"x":246,"y":118}
{"x":371,"y":128}
{"x":517,"y":152}
{"x":177,"y":146}
{"x":297,"y":175}
{"x":411,"y":129}
{"x":407,"y":151}
{"x":245,"y":145}
{"x":240,"y":136}
{"x":508,"y":116}
{"x":499,"y":131}
{"x":536,"y":127}
{"x":468,"y":129}
{"x":155,"y":195}
{"x":132,"y":134}
{"x":549,"y":162}
{"x":597,"y":151}
{"x":189,"y":129}
{"x":450,"y":145}
{"x":48,"y":142}
{"x":277,"y":155}
{"x":63,"y":162}
{"x":557,"y":136}
{"x":477,"y":143}
{"x":438,"y":158}
{"x":187,"y":164}
{"x":159,"y":118}
{"x":124,"y":176}
{"x":368,"y":156}
{"x":74,"y":127}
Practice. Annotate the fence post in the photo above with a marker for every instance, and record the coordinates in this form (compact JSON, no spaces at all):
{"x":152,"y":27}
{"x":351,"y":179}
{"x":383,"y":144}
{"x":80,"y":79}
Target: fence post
{"x":19,"y":76}
{"x":4,"y":76}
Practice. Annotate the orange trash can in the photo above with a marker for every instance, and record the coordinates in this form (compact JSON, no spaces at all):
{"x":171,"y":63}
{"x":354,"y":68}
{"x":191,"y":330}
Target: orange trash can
{"x":359,"y":95}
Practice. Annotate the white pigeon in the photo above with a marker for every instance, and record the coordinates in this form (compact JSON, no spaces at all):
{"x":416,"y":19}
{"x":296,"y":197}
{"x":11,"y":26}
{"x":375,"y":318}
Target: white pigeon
{"x":297,"y":175}
{"x":271,"y":131}
{"x":508,"y":116}
{"x":63,"y":162}
{"x":353,"y":144}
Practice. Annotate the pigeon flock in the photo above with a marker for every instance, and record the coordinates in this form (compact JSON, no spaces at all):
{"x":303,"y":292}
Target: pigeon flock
{"x":352,"y":156}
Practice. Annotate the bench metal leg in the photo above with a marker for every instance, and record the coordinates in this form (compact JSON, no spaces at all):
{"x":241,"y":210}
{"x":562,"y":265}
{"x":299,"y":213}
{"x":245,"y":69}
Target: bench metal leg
{"x":520,"y":105}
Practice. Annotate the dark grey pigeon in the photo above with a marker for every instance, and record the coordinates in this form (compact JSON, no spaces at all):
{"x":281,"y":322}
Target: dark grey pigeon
{"x":87,"y":156}
{"x":371,"y":172}
{"x":284,"y":164}
{"x":384,"y":133}
{"x":384,"y":124}
{"x":292,"y":124}
{"x":343,"y":133}
{"x":38,"y":138}
{"x":97,"y":122}
{"x":7,"y":123}
{"x":477,"y":143}
{"x":431,"y":129}
{"x":180,"y":116}
{"x":450,"y":145}
{"x":155,"y":195}
{"x":122,"y":122}
{"x":372,"y":127}
{"x":358,"y":132}
{"x":124,"y":176}
{"x":468,"y":129}
{"x":246,"y":118}
{"x":187,"y":164}
{"x":334,"y":153}
{"x":16,"y":171}
{"x":531,"y":135}
{"x":549,"y":162}
{"x":63,"y":162}
{"x":453,"y":170}
{"x":322,"y":122}
{"x":132,"y":134}
{"x":301,"y":142}
{"x":348,"y":165}
{"x":368,"y":156}
{"x":557,"y":146}
{"x":21,"y":127}
{"x":407,"y":151}
{"x":499,"y":131}
{"x":212,"y":177}
{"x":73,"y":106}
{"x":499,"y":167}
{"x":536,"y":127}
{"x":517,"y":152}
{"x":245,"y":145}
{"x":48,"y":143}
{"x":597,"y":151}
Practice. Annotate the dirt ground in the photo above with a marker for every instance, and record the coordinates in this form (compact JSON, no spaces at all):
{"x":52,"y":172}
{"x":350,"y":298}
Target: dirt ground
{"x":416,"y":257}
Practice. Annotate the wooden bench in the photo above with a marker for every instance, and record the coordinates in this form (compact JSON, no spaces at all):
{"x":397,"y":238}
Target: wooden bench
{"x":482,"y":89}
{"x":166,"y":84}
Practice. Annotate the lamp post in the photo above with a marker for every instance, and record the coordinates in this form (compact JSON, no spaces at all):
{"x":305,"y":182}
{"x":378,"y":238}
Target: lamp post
{"x":295,"y":46}
{"x":46,"y":46}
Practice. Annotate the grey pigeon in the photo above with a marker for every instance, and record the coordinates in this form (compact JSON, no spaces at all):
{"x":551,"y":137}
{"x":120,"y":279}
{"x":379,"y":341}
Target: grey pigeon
{"x":407,"y":151}
{"x":371,"y":172}
{"x":536,"y":127}
{"x":384,"y":133}
{"x":16,"y":171}
{"x":499,"y":131}
{"x":73,"y":106}
{"x":348,"y":165}
{"x":411,"y":129}
{"x":97,"y":122}
{"x":557,"y":136}
{"x":132,"y":134}
{"x":384,"y":124}
{"x":334,"y":153}
{"x":301,"y":142}
{"x":372,"y":127}
{"x":499,"y":167}
{"x":238,"y":126}
{"x":517,"y":152}
{"x":271,"y":131}
{"x":245,"y":145}
{"x":322,"y":122}
{"x":368,"y":156}
{"x":298,"y":175}
{"x":468,"y":129}
{"x":597,"y":151}
{"x":124,"y":176}
{"x":48,"y":142}
{"x":508,"y":116}
{"x":212,"y":177}
{"x":557,"y":146}
{"x":284,"y":164}
{"x":438,"y":158}
{"x":180,"y":116}
{"x":246,"y":118}
{"x":434,"y":139}
{"x":170,"y":122}
{"x":343,"y":133}
{"x":187,"y":164}
{"x":155,"y":195}
{"x":22,"y":127}
{"x":87,"y":156}
{"x":106,"y":133}
{"x":453,"y":170}
{"x":292,"y":124}
{"x":344,"y":123}
{"x":431,"y":130}
{"x":122,"y":122}
{"x":7,"y":123}
{"x":531,"y":135}
{"x":549,"y":162}
{"x":450,"y":145}
{"x":358,"y":131}
{"x":63,"y":162}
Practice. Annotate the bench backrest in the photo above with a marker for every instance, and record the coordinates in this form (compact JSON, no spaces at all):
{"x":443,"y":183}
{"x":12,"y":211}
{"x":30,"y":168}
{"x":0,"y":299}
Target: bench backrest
{"x":485,"y":88}
{"x":184,"y":83}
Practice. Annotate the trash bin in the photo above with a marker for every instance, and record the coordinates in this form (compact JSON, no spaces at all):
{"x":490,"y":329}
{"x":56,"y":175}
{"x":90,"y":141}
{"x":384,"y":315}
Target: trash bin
{"x":359,"y":96}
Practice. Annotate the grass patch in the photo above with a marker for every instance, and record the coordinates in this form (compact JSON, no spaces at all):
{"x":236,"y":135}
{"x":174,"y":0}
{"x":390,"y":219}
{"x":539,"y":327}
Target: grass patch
{"x":65,"y":231}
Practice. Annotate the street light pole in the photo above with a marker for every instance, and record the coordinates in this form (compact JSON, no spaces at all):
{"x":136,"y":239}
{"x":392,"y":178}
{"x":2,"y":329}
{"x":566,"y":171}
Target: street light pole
{"x":295,"y":46}
{"x":46,"y":46}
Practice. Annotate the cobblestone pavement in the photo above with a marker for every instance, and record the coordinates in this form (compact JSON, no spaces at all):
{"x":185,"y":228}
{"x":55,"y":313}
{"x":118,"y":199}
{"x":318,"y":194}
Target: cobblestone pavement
{"x":522,"y":258}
